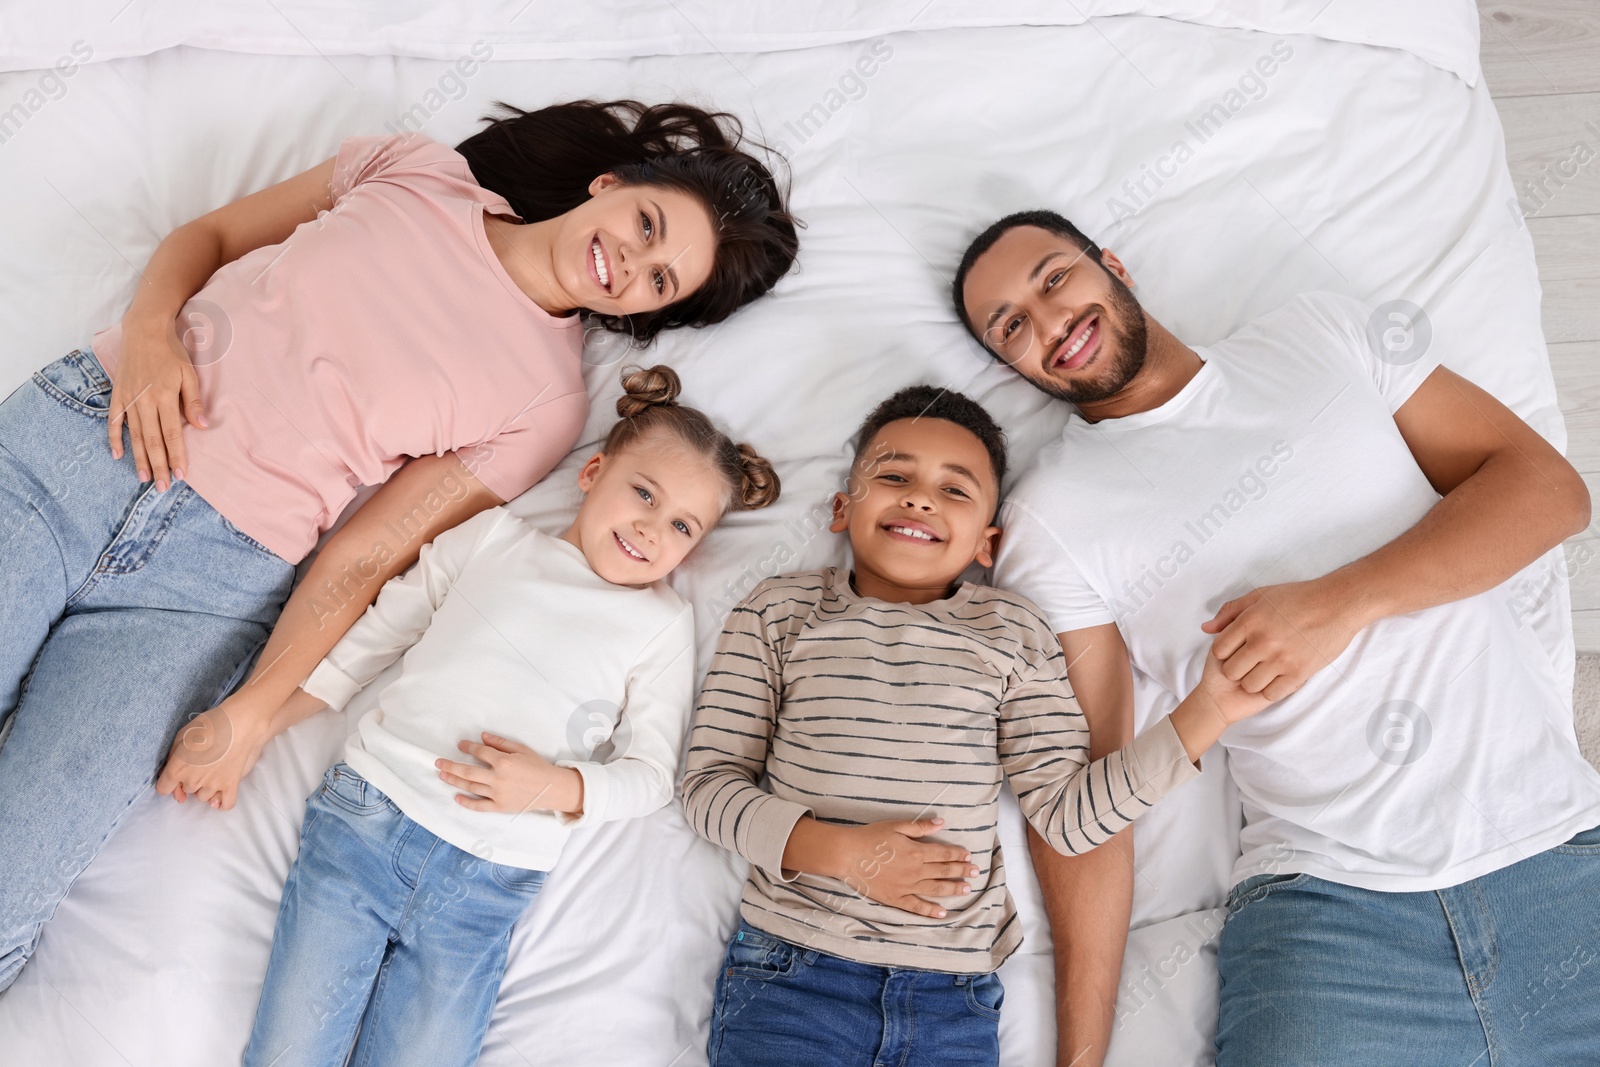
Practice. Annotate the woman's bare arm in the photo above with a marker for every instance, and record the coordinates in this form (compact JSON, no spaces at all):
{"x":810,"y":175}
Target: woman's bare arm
{"x":155,"y":387}
{"x":382,"y":539}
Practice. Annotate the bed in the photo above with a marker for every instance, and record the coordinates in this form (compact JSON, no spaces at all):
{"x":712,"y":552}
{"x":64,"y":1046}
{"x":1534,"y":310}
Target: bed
{"x":1370,"y":160}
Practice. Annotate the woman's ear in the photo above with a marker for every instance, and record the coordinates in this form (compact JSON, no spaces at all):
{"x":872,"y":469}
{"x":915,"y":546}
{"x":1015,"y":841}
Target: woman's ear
{"x":591,"y":471}
{"x":602,"y":183}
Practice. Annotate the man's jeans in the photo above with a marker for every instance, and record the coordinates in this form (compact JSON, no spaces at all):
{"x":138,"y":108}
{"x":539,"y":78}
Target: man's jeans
{"x":386,"y":927}
{"x":1501,"y":971}
{"x":123,"y":611}
{"x":780,"y":1004}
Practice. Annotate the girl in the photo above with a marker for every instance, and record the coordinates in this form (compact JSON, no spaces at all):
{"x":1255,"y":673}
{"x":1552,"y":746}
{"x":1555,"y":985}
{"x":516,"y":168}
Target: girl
{"x":414,"y":867}
{"x":403,"y":299}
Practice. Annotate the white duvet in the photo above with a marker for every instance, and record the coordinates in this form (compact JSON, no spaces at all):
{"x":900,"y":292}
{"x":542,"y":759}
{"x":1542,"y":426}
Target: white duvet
{"x":1377,"y":171}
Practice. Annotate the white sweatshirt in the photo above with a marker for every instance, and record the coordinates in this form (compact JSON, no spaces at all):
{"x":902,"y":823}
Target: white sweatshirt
{"x":509,"y":630}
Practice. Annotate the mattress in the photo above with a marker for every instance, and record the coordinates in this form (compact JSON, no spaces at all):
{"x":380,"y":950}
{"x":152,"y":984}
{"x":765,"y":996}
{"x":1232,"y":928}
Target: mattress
{"x":1369,"y":161}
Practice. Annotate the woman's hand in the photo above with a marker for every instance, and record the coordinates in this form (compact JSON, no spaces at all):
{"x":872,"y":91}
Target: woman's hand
{"x":156,"y":389}
{"x":514,"y":779}
{"x":213,"y":753}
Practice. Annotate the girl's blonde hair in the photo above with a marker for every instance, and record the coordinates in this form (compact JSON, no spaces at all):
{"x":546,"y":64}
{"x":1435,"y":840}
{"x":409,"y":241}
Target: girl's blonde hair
{"x":649,"y":402}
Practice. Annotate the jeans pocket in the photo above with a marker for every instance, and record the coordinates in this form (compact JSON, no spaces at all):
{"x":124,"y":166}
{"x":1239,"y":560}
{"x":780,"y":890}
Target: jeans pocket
{"x":77,"y":381}
{"x":350,"y":791}
{"x":985,"y":995}
{"x":1260,"y":887}
{"x":753,"y":954}
{"x":517,"y":879}
{"x":1586,"y":843}
{"x":246,"y":540}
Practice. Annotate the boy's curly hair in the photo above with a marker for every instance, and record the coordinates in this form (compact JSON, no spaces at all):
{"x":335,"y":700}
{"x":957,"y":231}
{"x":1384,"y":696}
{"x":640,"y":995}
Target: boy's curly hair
{"x":932,"y":402}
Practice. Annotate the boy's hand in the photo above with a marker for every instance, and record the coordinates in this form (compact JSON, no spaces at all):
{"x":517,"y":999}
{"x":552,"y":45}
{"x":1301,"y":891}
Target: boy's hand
{"x":886,"y":862}
{"x":514,"y":779}
{"x":1230,"y":699}
{"x":1215,"y":704}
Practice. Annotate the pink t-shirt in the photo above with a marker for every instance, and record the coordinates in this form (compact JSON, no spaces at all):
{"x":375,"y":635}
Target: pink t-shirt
{"x":384,"y":329}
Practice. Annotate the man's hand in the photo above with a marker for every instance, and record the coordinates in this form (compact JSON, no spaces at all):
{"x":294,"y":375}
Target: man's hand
{"x":1274,"y":638}
{"x":513,"y":778}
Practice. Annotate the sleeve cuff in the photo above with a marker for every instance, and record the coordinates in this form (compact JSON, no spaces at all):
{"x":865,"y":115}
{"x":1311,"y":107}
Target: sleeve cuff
{"x":1159,"y":761}
{"x":771,"y":824}
{"x":331,"y":685}
{"x":596,"y":795}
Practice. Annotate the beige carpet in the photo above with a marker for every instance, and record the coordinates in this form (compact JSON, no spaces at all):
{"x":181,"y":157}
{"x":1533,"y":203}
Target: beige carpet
{"x":1586,"y":706}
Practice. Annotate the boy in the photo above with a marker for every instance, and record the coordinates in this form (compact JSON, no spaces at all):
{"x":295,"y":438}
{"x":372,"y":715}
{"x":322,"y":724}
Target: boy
{"x":884,"y":704}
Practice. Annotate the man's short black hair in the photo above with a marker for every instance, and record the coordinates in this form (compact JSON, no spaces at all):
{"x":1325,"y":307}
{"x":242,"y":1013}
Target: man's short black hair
{"x":932,"y":402}
{"x":1044,"y":219}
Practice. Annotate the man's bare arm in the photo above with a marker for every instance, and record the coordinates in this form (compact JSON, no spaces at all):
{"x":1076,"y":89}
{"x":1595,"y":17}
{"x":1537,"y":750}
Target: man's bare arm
{"x":1089,"y":898}
{"x":1509,"y":497}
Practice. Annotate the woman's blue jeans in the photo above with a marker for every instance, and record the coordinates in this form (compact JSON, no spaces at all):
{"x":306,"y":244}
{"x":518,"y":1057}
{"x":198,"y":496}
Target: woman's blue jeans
{"x":123,"y":612}
{"x":386,"y":930}
{"x":1501,"y":971}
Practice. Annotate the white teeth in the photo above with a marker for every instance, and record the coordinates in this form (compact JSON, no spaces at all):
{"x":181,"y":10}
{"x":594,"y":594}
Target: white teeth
{"x":1081,"y":341}
{"x":629,"y":549}
{"x":600,"y":264}
{"x":918,"y":534}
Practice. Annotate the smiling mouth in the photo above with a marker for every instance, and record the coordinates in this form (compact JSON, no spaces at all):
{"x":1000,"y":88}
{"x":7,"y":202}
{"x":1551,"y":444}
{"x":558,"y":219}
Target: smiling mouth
{"x":628,"y":549}
{"x":912,"y":532}
{"x":602,"y":273}
{"x":1076,"y":348}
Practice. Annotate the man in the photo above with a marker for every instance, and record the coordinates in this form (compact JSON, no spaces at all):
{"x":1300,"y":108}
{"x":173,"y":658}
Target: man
{"x":1333,"y":520}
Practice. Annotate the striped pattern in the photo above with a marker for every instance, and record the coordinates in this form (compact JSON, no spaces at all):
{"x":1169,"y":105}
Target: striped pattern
{"x":859,"y":710}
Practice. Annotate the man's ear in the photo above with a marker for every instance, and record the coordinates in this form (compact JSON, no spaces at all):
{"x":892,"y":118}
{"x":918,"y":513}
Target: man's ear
{"x":602,"y":183}
{"x":988,"y":545}
{"x":1114,"y":267}
{"x":591,"y":471}
{"x":841,"y":513}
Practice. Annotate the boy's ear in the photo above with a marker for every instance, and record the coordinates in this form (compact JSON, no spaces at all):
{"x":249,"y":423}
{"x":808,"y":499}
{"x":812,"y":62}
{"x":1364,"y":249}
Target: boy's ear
{"x":591,"y":471}
{"x":841,"y":513}
{"x":988,"y":545}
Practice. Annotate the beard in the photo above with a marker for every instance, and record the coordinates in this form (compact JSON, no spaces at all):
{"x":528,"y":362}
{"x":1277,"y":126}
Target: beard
{"x":1123,"y":325}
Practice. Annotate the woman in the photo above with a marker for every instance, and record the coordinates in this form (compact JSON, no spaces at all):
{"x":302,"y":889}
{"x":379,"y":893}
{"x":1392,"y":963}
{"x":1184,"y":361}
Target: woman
{"x":402,"y":299}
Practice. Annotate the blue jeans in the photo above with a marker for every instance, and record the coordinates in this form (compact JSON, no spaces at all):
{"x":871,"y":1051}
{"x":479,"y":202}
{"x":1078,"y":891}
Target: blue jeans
{"x":386,"y":927}
{"x":1501,"y":971}
{"x":779,"y":1005}
{"x":123,"y":611}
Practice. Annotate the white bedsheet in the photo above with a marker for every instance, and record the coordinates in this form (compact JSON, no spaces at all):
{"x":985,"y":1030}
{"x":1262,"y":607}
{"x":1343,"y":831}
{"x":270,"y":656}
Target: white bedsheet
{"x":1353,"y":168}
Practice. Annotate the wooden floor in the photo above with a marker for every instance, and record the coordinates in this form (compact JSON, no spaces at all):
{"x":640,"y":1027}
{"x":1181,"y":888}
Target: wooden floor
{"x":1541,"y":59}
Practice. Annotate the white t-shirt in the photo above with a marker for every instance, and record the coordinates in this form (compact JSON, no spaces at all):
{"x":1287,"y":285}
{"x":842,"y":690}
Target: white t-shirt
{"x":509,"y":630}
{"x":1437,"y":747}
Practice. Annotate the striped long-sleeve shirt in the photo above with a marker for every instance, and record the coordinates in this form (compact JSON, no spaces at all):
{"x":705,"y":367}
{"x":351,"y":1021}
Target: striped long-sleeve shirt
{"x":859,"y":710}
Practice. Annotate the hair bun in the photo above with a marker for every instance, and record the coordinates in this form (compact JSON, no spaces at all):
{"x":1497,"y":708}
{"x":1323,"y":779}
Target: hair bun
{"x":647,"y":387}
{"x":759,"y":485}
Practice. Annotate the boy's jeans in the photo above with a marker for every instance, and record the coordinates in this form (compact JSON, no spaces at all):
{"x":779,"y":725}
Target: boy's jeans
{"x":386,"y":927}
{"x":123,"y":611}
{"x":779,"y":1005}
{"x":1500,"y":971}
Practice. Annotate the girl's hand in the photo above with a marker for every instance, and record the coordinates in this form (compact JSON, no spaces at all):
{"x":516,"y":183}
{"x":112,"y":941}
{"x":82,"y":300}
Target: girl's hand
{"x":886,"y":862}
{"x":514,"y":779}
{"x":155,"y":389}
{"x":213,"y":753}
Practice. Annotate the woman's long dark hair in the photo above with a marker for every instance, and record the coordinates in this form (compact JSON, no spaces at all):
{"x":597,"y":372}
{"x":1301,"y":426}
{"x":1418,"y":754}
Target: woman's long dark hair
{"x":543,"y":161}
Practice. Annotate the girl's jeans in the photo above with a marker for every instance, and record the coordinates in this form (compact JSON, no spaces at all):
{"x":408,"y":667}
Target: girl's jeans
{"x":386,"y":927}
{"x":123,"y":612}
